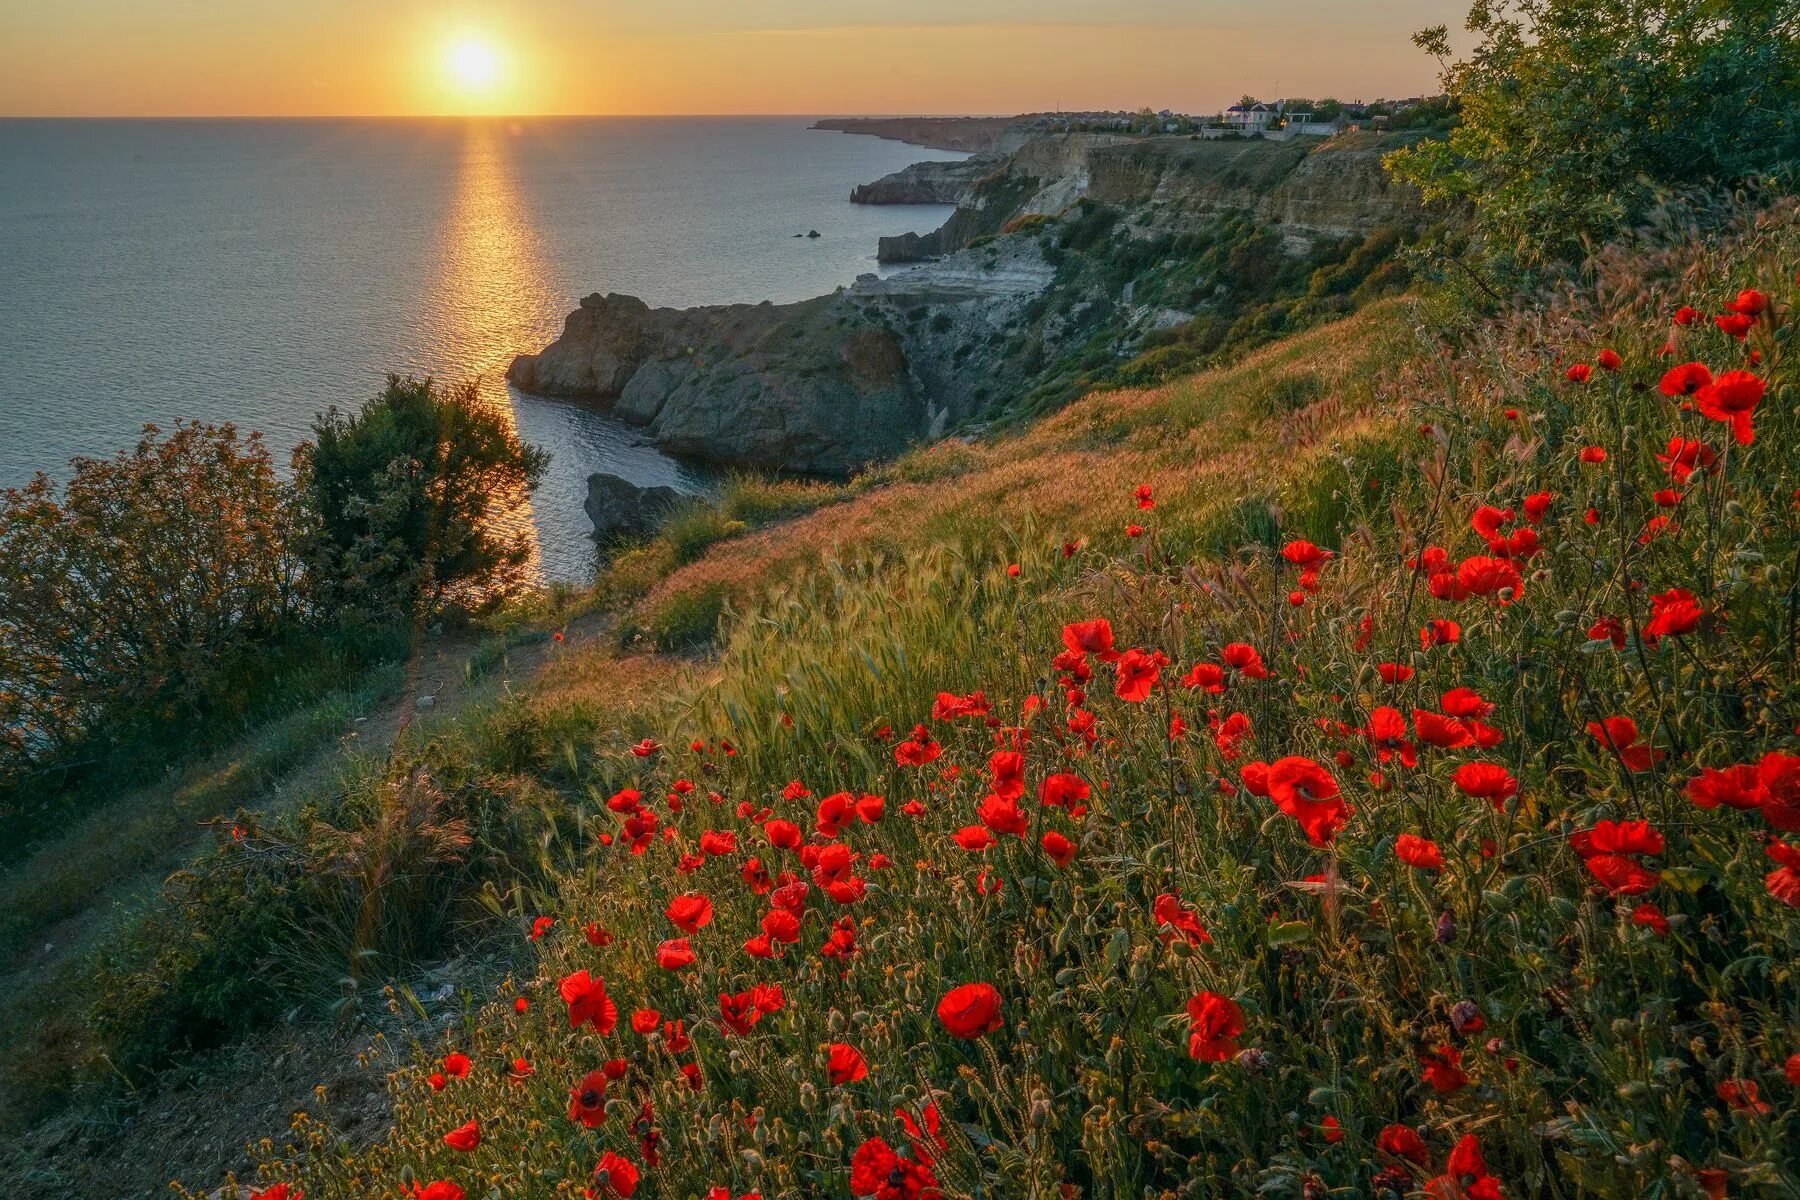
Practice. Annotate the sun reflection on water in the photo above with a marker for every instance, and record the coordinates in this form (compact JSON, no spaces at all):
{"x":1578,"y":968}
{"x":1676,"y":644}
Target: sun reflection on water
{"x":492,"y":296}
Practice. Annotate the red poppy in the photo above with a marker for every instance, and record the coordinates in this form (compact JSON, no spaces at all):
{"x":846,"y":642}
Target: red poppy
{"x":1138,"y":672}
{"x":1244,"y":660}
{"x":690,"y":912}
{"x":1651,"y":916}
{"x":1419,"y":853}
{"x":675,"y":954}
{"x":1749,"y":303}
{"x":1402,"y":1141}
{"x":1684,"y":456}
{"x":645,"y":1021}
{"x":1784,"y":881}
{"x":1735,"y":325}
{"x":1610,"y":851}
{"x":1593,"y":454}
{"x":1778,"y":774}
{"x":1742,"y":1095}
{"x":1439,"y":632}
{"x":1685,"y":380}
{"x":971,"y":1010}
{"x":588,"y":1002}
{"x":613,"y":1176}
{"x":1609,"y":360}
{"x":1735,"y":787}
{"x":464,"y":1137}
{"x":1686,"y":315}
{"x":645,"y":748}
{"x":1176,"y":919}
{"x":1579,"y":373}
{"x":1063,"y":790}
{"x":437,"y":1189}
{"x":1486,"y":781}
{"x":1442,"y":1069}
{"x":1091,"y":637}
{"x":1672,"y":613}
{"x":541,"y":926}
{"x":845,"y":1064}
{"x":974,"y":837}
{"x":1143,"y":497}
{"x":1008,"y":770}
{"x":457,"y":1065}
{"x":1215,"y":1022}
{"x":1060,"y":849}
{"x":876,"y":1170}
{"x":276,"y":1191}
{"x":1732,"y":398}
{"x":1620,"y":734}
{"x":1306,"y":791}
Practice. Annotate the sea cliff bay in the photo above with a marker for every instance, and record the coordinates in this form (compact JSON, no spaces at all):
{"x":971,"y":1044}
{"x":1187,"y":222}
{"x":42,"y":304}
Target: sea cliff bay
{"x":1072,"y":259}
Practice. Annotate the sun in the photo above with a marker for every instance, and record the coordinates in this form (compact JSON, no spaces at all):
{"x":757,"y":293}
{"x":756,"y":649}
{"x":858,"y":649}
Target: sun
{"x":473,"y":64}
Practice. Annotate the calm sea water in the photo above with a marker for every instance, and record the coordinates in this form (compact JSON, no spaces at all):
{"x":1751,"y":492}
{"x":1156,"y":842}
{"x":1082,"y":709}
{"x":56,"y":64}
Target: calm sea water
{"x":258,"y":271}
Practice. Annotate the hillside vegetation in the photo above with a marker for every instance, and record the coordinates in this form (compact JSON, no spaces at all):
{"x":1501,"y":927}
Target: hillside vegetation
{"x":1371,"y":769}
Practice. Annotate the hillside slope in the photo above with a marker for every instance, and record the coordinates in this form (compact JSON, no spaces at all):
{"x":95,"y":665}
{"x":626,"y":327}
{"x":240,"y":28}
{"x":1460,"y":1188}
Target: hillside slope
{"x":1369,"y":769}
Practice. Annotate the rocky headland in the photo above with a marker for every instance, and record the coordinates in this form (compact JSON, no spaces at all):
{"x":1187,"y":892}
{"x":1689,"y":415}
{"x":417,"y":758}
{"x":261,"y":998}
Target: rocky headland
{"x":1071,"y":259}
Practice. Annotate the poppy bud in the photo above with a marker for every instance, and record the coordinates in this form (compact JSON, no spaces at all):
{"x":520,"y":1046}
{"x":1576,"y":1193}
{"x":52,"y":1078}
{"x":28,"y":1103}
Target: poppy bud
{"x":1446,"y":929}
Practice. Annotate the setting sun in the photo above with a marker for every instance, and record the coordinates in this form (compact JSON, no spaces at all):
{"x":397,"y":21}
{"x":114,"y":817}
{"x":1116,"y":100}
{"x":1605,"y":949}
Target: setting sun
{"x":473,"y":64}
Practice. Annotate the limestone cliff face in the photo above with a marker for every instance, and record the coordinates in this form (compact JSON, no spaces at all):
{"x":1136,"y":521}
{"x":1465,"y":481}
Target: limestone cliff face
{"x":927,"y":182}
{"x":807,"y":387}
{"x":1341,"y":188}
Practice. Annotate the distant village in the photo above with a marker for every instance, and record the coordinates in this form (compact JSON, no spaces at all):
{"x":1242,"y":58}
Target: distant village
{"x":1276,"y":120}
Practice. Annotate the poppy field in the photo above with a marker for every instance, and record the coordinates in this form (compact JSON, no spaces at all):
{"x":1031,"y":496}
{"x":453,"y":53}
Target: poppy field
{"x":1448,"y":847}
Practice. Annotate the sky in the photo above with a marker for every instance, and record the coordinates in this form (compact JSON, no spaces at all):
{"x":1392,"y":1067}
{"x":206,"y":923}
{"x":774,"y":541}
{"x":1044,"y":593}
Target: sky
{"x":417,"y":57}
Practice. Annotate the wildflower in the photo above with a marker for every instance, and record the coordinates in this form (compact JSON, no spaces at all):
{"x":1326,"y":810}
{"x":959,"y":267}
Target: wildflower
{"x":1386,"y":731}
{"x":1579,"y":373}
{"x":1143,"y":497}
{"x":1244,"y":660}
{"x":1008,"y":770}
{"x":1466,"y":1174}
{"x":1749,"y":303}
{"x":1735,"y":787}
{"x":1684,"y":455}
{"x":1402,"y":1141}
{"x":1306,"y":791}
{"x":1783,"y":882}
{"x":1060,"y":849}
{"x":1608,"y":629}
{"x":876,"y":1170}
{"x":1394,"y":672}
{"x":1091,"y":637}
{"x":1466,"y":1018}
{"x":613,"y":1176}
{"x":1331,"y":1130}
{"x":540,"y":927}
{"x":1610,"y":851}
{"x":1735,"y":325}
{"x":1206,"y":677}
{"x":1619,"y":734}
{"x":845,"y":1064}
{"x":1609,"y":360}
{"x":1732,"y":398}
{"x":1536,"y":505}
{"x":464,"y":1137}
{"x":1685,"y":380}
{"x":1486,"y":781}
{"x":1779,"y":776}
{"x":437,"y":1189}
{"x":737,"y":1013}
{"x":1672,"y":613}
{"x":646,"y":748}
{"x":596,"y":936}
{"x":1176,"y":919}
{"x":1138,"y":672}
{"x":1063,"y":790}
{"x":1439,"y":632}
{"x":277,"y":1191}
{"x":1442,"y":1069}
{"x":675,"y":954}
{"x":457,"y":1066}
{"x":1419,"y":853}
{"x":969,"y":1011}
{"x":588,"y":1002}
{"x":1686,"y":315}
{"x":690,"y":912}
{"x":1741,"y":1095}
{"x":1480,"y":575}
{"x":974,"y":837}
{"x":1650,"y":916}
{"x":1593,"y":454}
{"x":1216,"y":1022}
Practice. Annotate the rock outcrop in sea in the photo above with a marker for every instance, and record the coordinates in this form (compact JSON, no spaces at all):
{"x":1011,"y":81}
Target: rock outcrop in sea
{"x":1071,"y":250}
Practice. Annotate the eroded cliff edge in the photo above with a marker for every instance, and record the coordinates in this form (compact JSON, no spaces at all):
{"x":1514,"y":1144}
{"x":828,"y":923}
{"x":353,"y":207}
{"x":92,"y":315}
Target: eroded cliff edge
{"x":1075,"y":253}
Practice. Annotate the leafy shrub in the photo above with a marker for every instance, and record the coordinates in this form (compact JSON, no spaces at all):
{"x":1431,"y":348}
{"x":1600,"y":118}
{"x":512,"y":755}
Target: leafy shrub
{"x":148,"y":578}
{"x":407,"y":500}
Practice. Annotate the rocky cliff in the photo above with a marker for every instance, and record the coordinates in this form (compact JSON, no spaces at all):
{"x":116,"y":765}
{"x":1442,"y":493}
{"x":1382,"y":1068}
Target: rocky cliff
{"x":975,"y":135}
{"x":928,"y":182}
{"x":1072,"y":256}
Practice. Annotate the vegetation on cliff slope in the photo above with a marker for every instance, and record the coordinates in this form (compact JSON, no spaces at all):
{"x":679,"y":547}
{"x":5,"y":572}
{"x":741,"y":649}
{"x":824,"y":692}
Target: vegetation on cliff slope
{"x":1419,"y":816}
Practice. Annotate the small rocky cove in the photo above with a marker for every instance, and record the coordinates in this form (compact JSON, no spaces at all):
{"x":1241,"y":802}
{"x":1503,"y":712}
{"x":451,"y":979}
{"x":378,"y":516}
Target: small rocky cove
{"x":1067,"y":255}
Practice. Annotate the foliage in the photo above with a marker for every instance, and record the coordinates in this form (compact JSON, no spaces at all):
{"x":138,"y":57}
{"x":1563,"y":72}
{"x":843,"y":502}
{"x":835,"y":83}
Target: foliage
{"x":138,"y":587}
{"x":1387,"y":979}
{"x":408,"y":498}
{"x":1694,"y":92}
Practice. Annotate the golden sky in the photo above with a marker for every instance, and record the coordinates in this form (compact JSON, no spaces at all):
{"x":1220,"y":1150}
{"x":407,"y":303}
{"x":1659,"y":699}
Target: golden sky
{"x":401,"y":57}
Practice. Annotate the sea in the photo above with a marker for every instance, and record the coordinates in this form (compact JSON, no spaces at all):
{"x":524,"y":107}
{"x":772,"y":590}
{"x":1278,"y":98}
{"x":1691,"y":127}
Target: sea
{"x":260,"y":271}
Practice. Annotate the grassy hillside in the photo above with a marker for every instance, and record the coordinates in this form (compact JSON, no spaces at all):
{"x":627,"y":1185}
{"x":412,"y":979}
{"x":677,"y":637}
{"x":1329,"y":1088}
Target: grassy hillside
{"x":1380,"y":774}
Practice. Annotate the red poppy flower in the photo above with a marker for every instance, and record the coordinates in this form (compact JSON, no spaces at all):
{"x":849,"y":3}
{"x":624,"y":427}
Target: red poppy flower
{"x":1176,"y":919}
{"x":1091,"y":637}
{"x":1619,"y":734}
{"x":1685,"y":380}
{"x":1784,"y":881}
{"x":690,"y":912}
{"x":1749,"y":303}
{"x":277,"y":1191}
{"x":645,"y":748}
{"x":457,"y":1065}
{"x":1742,"y":1095}
{"x":969,"y":1011}
{"x":1060,"y":849}
{"x":1306,"y":791}
{"x":588,"y":1002}
{"x":1419,"y":853}
{"x":1386,"y":732}
{"x":1442,"y":1069}
{"x":1609,"y":360}
{"x":1402,"y":1141}
{"x":464,"y":1137}
{"x":1143,"y":497}
{"x":1779,"y":776}
{"x":1206,"y":677}
{"x":1686,"y":315}
{"x":1735,"y":787}
{"x":876,"y":1170}
{"x":1579,"y":373}
{"x":1063,"y":790}
{"x":1652,"y":917}
{"x":1610,"y":852}
{"x":541,"y":926}
{"x":1672,"y":613}
{"x":1732,"y":398}
{"x":645,"y":1020}
{"x":437,"y":1189}
{"x":784,"y":835}
{"x":1486,"y":781}
{"x":1138,"y":672}
{"x":1735,"y":325}
{"x":596,"y":936}
{"x":845,"y":1064}
{"x":1008,"y":770}
{"x":675,"y":954}
{"x":613,"y":1176}
{"x":1481,"y":575}
{"x":1215,"y":1023}
{"x":1439,"y":632}
{"x":1244,"y":660}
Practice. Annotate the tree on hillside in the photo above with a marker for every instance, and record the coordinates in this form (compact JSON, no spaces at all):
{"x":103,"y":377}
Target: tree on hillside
{"x":136,"y":583}
{"x":1577,"y":115}
{"x":417,"y":502}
